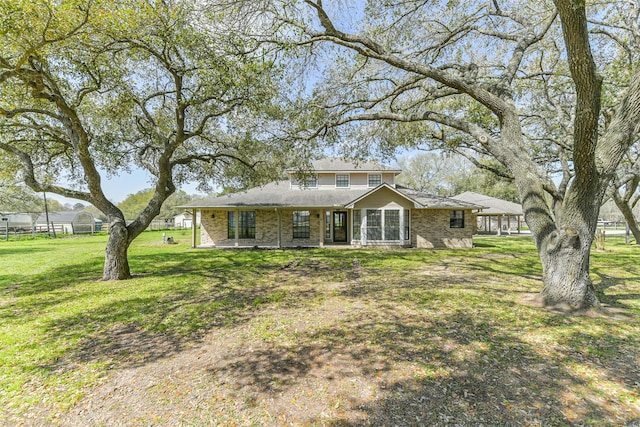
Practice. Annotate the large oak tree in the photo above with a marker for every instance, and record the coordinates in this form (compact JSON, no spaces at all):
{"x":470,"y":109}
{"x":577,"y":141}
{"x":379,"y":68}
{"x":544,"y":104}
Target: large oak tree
{"x":469,"y":75}
{"x":92,"y":87}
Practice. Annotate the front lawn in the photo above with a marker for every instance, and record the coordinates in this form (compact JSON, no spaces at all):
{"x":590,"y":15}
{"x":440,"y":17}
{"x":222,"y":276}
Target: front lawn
{"x":310,"y":337}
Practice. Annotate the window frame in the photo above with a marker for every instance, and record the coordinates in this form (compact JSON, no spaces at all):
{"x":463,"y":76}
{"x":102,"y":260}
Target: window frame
{"x":247,"y":225}
{"x":369,"y":176}
{"x":391,"y":225}
{"x":301,"y":224}
{"x":231,"y":225}
{"x":356,"y":223}
{"x":407,"y":225}
{"x":370,"y":215}
{"x":456,"y":218}
{"x":342,"y":182}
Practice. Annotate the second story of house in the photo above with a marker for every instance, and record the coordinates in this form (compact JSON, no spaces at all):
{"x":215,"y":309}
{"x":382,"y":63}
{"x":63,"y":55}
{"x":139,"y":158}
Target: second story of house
{"x":336,"y":174}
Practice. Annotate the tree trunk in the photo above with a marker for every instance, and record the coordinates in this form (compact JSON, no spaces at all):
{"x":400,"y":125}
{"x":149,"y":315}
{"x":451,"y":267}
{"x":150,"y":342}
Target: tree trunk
{"x":563,"y":232}
{"x":116,"y":263}
{"x":565,"y":266}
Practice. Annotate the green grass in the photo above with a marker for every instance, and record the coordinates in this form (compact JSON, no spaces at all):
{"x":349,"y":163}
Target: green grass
{"x":445,"y":312}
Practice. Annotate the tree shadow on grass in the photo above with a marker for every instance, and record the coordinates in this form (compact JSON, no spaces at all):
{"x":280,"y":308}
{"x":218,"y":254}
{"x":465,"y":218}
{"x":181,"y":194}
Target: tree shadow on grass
{"x":459,"y":370}
{"x":439,"y":368}
{"x":28,"y":296}
{"x":15,"y":250}
{"x":228,"y":263}
{"x":465,"y":367}
{"x":615,"y":297}
{"x":139,"y":330}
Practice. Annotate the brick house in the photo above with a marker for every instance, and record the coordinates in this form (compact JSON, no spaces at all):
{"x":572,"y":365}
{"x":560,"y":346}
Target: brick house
{"x":339,"y":203}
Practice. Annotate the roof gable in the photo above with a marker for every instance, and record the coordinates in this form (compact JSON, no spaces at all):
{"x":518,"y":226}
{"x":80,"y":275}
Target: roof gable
{"x":379,"y":188}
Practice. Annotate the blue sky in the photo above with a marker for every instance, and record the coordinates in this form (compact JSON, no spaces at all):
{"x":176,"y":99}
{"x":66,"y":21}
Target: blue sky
{"x":118,"y":188}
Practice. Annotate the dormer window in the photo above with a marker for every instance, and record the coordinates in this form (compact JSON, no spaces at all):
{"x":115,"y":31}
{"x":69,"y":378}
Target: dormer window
{"x":375,"y":179}
{"x":342,"y":180}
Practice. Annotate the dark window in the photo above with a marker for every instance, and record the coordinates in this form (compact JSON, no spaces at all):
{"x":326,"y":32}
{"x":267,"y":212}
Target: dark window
{"x":357,"y":223}
{"x":231,"y":228}
{"x":375,"y":180}
{"x":392,"y":224}
{"x":301,"y":224}
{"x":407,"y":225}
{"x":456,"y":219}
{"x":374,"y":224}
{"x":342,"y":180}
{"x":327,"y":225}
{"x":247,"y":225}
{"x":312,"y":182}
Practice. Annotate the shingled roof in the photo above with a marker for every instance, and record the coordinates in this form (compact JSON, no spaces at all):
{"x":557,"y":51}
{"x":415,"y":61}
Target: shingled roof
{"x":332,"y":164}
{"x":280,"y":194}
{"x":432,"y":201}
{"x":493,"y":206}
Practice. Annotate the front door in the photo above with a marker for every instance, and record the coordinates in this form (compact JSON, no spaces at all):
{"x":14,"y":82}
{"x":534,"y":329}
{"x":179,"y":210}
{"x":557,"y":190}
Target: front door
{"x":340,"y":227}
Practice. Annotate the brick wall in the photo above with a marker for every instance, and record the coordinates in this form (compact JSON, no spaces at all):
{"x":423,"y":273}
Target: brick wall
{"x":214,"y":229}
{"x":314,"y":232}
{"x":430,"y":229}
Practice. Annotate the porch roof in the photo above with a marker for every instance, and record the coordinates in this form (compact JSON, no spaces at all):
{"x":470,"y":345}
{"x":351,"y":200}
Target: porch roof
{"x":432,"y":201}
{"x":280,"y":194}
{"x":493,"y":205}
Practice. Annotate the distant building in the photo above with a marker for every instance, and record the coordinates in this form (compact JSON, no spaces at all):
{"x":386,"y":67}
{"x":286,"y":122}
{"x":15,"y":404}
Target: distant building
{"x":16,"y":222}
{"x":185,"y":220}
{"x":68,"y":222}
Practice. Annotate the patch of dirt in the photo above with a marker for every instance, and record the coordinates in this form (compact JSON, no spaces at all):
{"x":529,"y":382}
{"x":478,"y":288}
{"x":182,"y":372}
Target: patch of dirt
{"x":364,"y":351}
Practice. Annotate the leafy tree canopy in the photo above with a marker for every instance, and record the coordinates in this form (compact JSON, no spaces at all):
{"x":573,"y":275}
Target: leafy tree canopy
{"x":520,"y":82}
{"x":16,"y":198}
{"x":110,"y":85}
{"x":134,"y":202}
{"x":448,"y":175}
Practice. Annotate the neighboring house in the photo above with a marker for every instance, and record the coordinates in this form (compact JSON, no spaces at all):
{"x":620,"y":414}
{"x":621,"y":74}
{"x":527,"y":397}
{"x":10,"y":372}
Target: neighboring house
{"x":68,"y":222}
{"x":340,"y":203}
{"x":499,"y":215}
{"x":185,"y":220}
